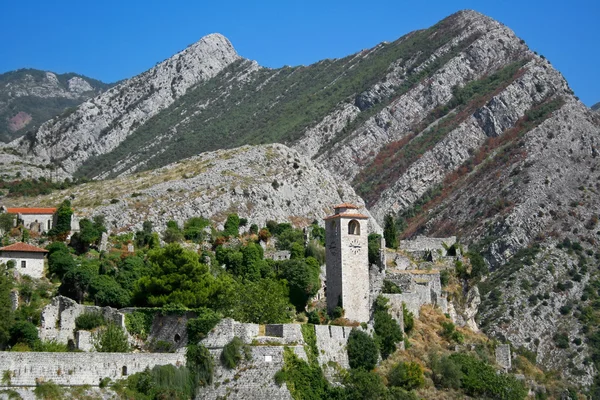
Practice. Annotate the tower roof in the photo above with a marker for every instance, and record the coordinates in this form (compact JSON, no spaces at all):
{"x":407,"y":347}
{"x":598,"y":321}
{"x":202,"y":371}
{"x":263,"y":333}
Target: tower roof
{"x":347,"y":215}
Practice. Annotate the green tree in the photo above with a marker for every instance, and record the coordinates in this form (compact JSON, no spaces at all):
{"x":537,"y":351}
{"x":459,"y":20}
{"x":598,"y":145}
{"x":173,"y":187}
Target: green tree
{"x":130,"y":270}
{"x":407,"y":375}
{"x":76,"y":281}
{"x":387,"y":330}
{"x":89,"y":233}
{"x":7,"y":221}
{"x":194,"y":229}
{"x":362,"y":350}
{"x":111,"y":339}
{"x":262,"y":302}
{"x":363,"y":384}
{"x":23,"y":332}
{"x":6,"y":312}
{"x":145,"y":237}
{"x":408,"y":319}
{"x":107,"y":292}
{"x":173,"y":233}
{"x":64,"y":214}
{"x":303,"y":280}
{"x":390,"y":232}
{"x":374,"y":248}
{"x":176,"y":276}
{"x":232,"y":226}
{"x":287,"y":236}
{"x":446,"y":373}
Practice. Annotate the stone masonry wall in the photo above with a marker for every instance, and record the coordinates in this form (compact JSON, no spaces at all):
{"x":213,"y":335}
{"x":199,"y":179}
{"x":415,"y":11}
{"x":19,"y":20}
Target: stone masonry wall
{"x":253,"y":379}
{"x":79,"y":368}
{"x":58,"y":318}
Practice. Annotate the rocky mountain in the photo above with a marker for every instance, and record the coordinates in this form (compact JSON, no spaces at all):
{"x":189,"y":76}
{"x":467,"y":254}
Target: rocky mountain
{"x":596,"y":107}
{"x":100,"y":124}
{"x":260,"y":183}
{"x":458,"y":129}
{"x":30,"y":97}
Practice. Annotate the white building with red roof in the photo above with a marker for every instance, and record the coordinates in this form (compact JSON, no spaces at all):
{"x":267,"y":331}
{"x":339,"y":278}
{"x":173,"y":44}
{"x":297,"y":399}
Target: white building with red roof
{"x":28,"y":259}
{"x":36,"y":219}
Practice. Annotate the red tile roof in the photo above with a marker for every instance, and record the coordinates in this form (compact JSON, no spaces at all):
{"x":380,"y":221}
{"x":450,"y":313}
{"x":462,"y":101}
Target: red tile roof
{"x":347,"y":215}
{"x":24,"y":210}
{"x":23,"y":247}
{"x":346,"y":205}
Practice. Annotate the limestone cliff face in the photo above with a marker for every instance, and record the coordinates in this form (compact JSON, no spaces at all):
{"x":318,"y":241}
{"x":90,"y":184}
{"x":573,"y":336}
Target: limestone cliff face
{"x":101,"y":123}
{"x":260,"y":183}
{"x":30,"y":97}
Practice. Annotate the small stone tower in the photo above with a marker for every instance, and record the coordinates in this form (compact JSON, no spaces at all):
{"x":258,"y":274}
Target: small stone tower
{"x":347,"y":260}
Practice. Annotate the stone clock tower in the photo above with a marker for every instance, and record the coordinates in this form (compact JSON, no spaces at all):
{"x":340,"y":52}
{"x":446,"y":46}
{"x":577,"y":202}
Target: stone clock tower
{"x":347,"y":260}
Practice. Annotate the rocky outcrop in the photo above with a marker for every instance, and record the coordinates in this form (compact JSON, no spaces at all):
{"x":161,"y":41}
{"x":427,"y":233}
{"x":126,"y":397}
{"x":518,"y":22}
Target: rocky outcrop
{"x":532,"y":307}
{"x":100,"y":124}
{"x":30,"y":97}
{"x":260,"y":183}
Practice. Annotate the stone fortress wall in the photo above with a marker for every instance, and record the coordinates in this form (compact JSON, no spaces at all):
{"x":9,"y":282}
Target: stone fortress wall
{"x":72,"y":369}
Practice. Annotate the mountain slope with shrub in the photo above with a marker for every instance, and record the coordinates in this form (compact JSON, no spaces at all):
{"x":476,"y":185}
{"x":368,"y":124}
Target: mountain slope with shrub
{"x":260,"y":183}
{"x":30,"y":97}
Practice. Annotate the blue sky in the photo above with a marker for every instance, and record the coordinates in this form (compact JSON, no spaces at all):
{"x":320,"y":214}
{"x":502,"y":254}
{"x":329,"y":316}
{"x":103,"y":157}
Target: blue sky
{"x":112,"y":40}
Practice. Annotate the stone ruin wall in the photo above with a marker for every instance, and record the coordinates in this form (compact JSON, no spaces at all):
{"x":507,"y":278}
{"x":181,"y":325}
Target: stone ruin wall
{"x":253,"y":379}
{"x":418,"y":289}
{"x":72,"y":369}
{"x":58,"y":319}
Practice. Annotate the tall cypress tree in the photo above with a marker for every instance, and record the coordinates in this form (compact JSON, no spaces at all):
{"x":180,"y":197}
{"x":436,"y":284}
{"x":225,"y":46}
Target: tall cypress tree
{"x":63,"y":220}
{"x":390,"y":233}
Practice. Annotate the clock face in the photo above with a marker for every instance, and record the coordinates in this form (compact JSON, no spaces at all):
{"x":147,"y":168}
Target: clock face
{"x":355,"y":246}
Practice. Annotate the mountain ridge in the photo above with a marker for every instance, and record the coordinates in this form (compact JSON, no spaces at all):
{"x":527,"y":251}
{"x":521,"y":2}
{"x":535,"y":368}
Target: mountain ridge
{"x":30,"y":97}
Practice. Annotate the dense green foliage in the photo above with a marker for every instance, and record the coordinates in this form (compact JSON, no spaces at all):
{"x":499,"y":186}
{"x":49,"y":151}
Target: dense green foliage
{"x":374,"y":247}
{"x":387,"y":330}
{"x":200,"y":363}
{"x":89,"y":233}
{"x":175,"y":277}
{"x":6,"y":312}
{"x":390,"y":287}
{"x":111,"y":339}
{"x":139,"y":323}
{"x":160,"y":382}
{"x":480,"y":379}
{"x":32,"y":187}
{"x":7,"y":221}
{"x":64,"y":213}
{"x":303,"y":280}
{"x":199,"y":327}
{"x":310,"y":338}
{"x":234,"y":351}
{"x":390,"y":233}
{"x":407,"y":375}
{"x":362,"y":350}
{"x":89,"y":320}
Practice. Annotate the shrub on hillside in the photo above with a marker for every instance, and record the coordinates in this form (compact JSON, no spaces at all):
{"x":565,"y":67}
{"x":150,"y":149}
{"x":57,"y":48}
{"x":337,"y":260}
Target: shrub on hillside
{"x":89,"y":320}
{"x":362,"y":350}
